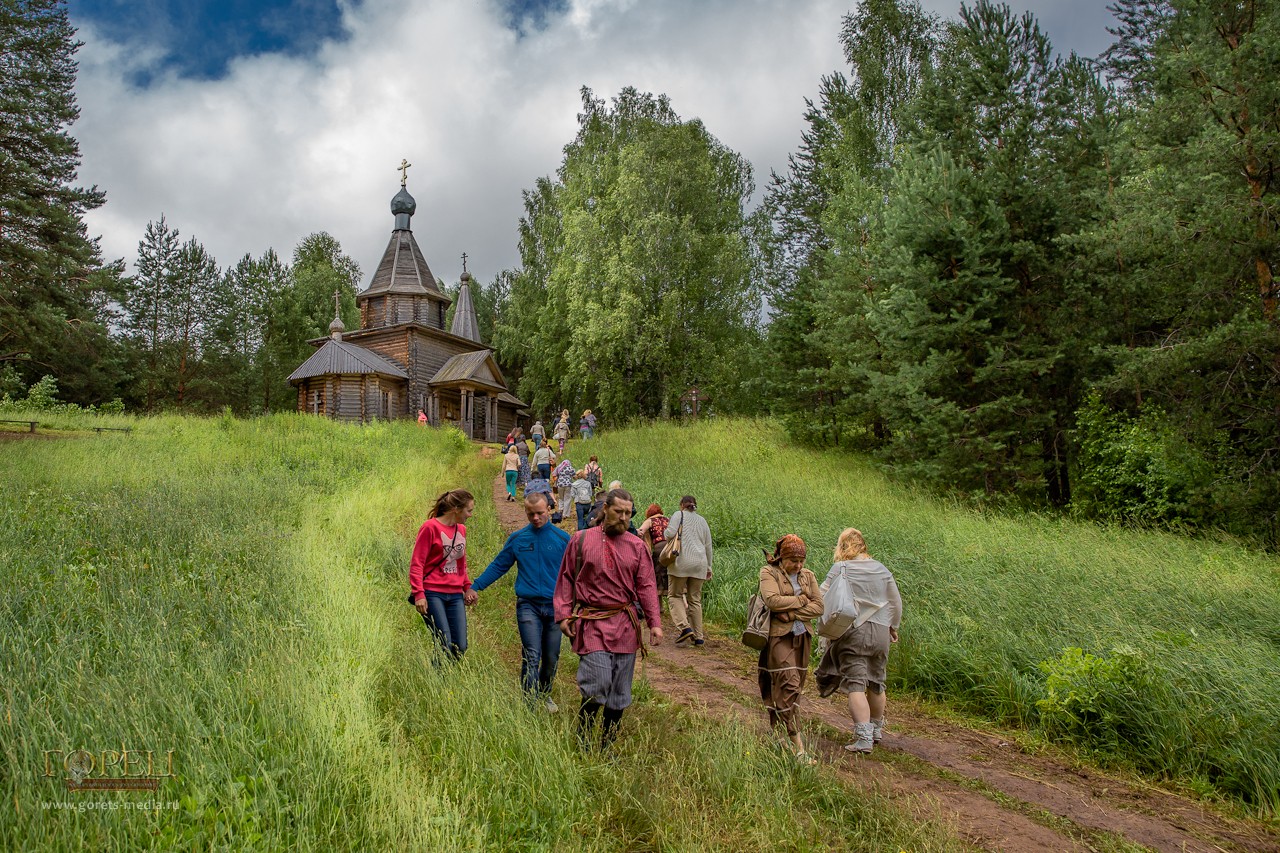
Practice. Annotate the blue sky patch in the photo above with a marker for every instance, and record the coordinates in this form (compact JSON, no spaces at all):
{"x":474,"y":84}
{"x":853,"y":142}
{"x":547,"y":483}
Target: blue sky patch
{"x":524,"y":15}
{"x":201,"y":37}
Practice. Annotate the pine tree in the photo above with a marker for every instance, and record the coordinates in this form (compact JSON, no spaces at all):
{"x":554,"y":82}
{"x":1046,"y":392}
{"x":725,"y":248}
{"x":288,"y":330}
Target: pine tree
{"x":53,"y":288}
{"x":243,"y":331}
{"x":981,"y":323}
{"x":303,"y":310}
{"x":147,"y":307}
{"x":823,"y":213}
{"x":1189,"y":247}
{"x":196,"y":279}
{"x":1128,"y":61}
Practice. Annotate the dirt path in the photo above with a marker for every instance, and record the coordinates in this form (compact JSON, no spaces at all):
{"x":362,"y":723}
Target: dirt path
{"x":995,"y":794}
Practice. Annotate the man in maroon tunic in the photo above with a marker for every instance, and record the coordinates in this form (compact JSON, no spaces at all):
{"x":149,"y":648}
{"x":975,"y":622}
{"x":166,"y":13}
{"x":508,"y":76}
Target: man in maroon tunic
{"x":605,"y":572}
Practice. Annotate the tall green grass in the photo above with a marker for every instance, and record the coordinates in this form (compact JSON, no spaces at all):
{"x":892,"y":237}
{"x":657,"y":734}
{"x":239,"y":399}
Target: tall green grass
{"x":233,"y":591}
{"x":1153,"y":650}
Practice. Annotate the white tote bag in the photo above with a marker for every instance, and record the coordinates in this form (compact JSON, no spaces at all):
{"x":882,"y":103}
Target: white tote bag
{"x":839,"y":609}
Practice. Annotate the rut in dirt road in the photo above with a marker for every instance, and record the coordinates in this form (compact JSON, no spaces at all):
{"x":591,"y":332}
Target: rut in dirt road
{"x":957,"y":764}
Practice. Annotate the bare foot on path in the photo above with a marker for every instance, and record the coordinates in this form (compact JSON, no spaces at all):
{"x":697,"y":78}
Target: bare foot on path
{"x":996,"y":795}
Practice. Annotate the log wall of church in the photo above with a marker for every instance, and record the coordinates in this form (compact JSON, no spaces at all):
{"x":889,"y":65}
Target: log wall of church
{"x":506,"y":419}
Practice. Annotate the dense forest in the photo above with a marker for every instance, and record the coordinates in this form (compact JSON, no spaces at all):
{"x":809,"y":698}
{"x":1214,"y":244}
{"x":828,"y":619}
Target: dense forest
{"x":1015,"y":276}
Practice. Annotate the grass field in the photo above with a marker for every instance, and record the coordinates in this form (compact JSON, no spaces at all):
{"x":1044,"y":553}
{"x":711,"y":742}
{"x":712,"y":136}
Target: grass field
{"x":232,"y":592}
{"x":1152,"y":651}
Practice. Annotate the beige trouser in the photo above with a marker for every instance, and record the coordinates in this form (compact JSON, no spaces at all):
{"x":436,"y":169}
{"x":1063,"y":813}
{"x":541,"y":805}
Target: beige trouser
{"x":685,"y":601}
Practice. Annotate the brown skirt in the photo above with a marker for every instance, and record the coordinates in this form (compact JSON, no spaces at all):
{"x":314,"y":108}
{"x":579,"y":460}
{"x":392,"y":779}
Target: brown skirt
{"x":784,"y":667}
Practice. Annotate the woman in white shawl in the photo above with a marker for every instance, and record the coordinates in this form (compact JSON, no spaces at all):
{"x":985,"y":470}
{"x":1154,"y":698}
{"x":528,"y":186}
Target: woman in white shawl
{"x":855,"y":663}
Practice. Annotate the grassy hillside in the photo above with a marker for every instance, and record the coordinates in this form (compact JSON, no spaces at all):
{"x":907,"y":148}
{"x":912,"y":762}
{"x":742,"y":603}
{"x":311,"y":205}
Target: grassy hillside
{"x":1153,"y":650}
{"x":233,"y":591}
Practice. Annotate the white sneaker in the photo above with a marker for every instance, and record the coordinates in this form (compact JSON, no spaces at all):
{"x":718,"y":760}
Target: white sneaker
{"x":552,"y":707}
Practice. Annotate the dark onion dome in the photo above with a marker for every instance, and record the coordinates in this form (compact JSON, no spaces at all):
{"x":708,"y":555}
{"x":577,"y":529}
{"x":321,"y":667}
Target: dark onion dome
{"x":403,"y":203}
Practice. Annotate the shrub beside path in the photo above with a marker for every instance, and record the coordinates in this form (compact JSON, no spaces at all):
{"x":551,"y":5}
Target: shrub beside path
{"x":996,"y":794}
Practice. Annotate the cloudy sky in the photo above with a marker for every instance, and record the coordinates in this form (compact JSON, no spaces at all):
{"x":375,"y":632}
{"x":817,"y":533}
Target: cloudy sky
{"x":252,"y":123}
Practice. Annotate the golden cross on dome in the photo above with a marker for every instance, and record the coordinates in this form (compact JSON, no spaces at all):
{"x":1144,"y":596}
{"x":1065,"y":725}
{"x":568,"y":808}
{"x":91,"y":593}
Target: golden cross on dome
{"x":404,"y":170}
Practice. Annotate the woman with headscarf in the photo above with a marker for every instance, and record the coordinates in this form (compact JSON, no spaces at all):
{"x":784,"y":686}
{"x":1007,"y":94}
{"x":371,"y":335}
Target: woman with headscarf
{"x":791,"y":593}
{"x":856,"y":662}
{"x":562,"y":477}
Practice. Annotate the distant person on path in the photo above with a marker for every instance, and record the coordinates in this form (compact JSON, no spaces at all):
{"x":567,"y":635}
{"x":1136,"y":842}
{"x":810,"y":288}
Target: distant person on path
{"x":422,"y":417}
{"x":603,"y":576}
{"x":562,"y":429}
{"x":562,"y":480}
{"x":538,"y":433}
{"x":791,"y":593}
{"x":857,"y":662}
{"x":581,"y":493}
{"x":438,"y":582}
{"x":542,"y":461}
{"x":537,"y":551}
{"x":587,"y":424}
{"x":689,"y":572}
{"x":651,"y":533}
{"x":511,"y":470}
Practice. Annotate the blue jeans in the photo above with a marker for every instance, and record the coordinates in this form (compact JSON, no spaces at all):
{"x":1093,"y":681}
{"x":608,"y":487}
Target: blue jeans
{"x":544,"y":470}
{"x":583,"y":511}
{"x":537,"y":441}
{"x":540,"y":642}
{"x":446,"y":616}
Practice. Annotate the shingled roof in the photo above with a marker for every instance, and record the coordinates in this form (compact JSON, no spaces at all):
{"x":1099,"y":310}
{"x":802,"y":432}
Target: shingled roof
{"x":403,"y":269}
{"x":465,"y":324}
{"x":339,"y":358}
{"x":507,"y":397}
{"x":478,"y":367}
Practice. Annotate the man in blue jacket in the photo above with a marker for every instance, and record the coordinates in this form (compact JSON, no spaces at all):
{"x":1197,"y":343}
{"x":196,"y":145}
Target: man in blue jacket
{"x":537,"y":550}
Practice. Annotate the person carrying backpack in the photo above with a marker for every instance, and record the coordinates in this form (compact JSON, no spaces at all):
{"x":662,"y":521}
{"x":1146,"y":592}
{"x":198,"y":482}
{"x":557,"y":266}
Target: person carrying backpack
{"x":581,"y":493}
{"x":595,"y":474}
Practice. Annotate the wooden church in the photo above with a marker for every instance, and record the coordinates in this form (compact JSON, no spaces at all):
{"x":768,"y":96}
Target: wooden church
{"x":403,"y":359}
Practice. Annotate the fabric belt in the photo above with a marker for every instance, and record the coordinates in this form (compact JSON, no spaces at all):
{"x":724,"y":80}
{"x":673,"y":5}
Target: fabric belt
{"x":585,"y":613}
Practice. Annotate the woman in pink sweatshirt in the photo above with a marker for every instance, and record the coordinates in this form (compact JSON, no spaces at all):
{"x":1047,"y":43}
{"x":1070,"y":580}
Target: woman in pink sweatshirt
{"x":438,"y":581}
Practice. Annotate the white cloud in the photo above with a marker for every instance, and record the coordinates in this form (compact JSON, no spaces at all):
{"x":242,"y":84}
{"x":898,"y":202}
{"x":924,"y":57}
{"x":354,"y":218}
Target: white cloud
{"x":282,"y":147}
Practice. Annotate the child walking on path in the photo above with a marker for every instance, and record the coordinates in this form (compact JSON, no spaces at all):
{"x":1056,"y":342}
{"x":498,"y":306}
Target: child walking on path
{"x":438,"y":583}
